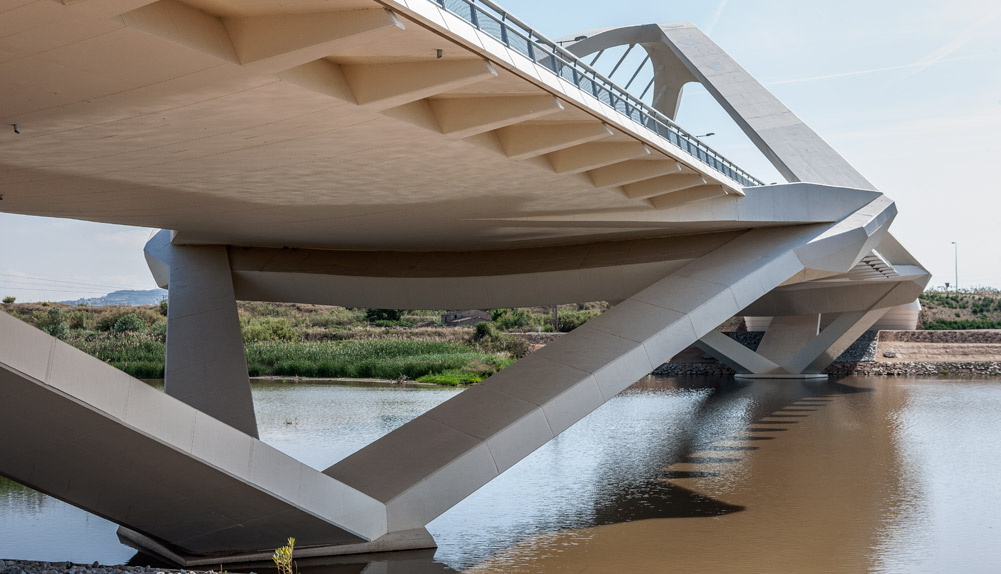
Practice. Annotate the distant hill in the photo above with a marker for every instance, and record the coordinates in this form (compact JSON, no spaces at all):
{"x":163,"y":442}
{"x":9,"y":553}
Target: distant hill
{"x":149,"y":297}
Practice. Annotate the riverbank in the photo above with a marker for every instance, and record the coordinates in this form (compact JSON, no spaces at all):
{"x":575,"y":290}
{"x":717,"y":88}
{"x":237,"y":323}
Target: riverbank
{"x":878,"y":353}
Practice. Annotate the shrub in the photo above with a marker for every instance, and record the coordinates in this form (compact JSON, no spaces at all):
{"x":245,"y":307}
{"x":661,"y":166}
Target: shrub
{"x":163,"y":307}
{"x":59,"y":330}
{"x":80,"y":320}
{"x":159,"y":331}
{"x":269,"y":329}
{"x":108,"y":317}
{"x":53,"y":322}
{"x":962,"y":324}
{"x":335,"y":317}
{"x":570,"y":320}
{"x":509,"y":319}
{"x":373,"y":315}
{"x":129,"y":323}
{"x":484,"y":330}
{"x":9,"y":300}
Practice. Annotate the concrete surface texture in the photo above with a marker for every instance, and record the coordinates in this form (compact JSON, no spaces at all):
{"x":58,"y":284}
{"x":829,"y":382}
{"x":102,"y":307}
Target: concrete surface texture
{"x":396,"y":154}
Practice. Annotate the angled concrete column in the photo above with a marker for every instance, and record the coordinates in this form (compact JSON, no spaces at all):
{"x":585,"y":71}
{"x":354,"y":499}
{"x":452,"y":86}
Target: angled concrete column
{"x":833,"y":340}
{"x":206,"y":365}
{"x":181,"y":483}
{"x":786,"y":335}
{"x":734,"y":355}
{"x":792,"y":347}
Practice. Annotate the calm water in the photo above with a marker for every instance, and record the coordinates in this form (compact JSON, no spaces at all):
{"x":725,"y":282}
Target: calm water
{"x":693,"y":475}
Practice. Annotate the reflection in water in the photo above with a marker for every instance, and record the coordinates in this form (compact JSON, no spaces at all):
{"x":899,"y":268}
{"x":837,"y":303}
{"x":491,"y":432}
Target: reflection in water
{"x":694,"y":475}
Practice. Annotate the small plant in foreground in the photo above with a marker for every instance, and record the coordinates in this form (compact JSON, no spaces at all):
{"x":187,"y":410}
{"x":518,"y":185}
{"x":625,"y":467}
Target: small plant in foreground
{"x":283,"y":558}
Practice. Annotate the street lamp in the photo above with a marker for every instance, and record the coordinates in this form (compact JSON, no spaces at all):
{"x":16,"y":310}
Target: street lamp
{"x":955,"y":255}
{"x":706,"y":135}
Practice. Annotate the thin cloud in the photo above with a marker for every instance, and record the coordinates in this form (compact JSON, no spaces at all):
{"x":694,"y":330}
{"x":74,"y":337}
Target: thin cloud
{"x":957,"y":43}
{"x":716,"y":16}
{"x":920,"y":64}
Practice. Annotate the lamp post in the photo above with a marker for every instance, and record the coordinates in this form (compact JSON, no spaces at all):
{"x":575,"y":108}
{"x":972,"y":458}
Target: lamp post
{"x":955,"y":256}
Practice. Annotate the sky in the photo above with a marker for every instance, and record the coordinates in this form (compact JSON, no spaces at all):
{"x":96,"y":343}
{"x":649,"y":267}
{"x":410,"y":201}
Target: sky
{"x":908,"y":91}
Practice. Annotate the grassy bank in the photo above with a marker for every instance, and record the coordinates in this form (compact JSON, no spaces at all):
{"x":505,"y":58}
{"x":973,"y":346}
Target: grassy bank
{"x":970,"y":309}
{"x":294,"y":340}
{"x":290,"y":340}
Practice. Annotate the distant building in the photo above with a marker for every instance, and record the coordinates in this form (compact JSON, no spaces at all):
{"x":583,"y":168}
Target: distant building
{"x":464,"y":318}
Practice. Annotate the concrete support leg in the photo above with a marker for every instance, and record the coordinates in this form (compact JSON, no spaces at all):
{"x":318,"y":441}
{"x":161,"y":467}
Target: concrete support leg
{"x":734,"y":355}
{"x":810,"y":355}
{"x":206,"y":365}
{"x":833,"y":340}
{"x":787,"y":335}
{"x":792,"y":347}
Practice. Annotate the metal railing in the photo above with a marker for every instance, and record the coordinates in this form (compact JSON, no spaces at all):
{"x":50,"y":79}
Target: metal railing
{"x":491,"y":19}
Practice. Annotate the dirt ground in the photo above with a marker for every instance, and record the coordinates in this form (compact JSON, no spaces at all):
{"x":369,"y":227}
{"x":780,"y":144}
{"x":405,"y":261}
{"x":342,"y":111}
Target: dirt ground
{"x":937,"y":352}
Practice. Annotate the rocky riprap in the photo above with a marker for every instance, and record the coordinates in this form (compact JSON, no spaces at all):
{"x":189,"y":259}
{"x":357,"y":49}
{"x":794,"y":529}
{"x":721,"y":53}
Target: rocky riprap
{"x":846,"y":369}
{"x":985,"y":336}
{"x":32,"y":567}
{"x":969,"y":368}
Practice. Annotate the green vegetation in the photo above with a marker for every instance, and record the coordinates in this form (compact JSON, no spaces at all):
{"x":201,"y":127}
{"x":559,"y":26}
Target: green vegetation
{"x":292,"y":340}
{"x":8,"y":300}
{"x":283,"y":558}
{"x":379,"y":359}
{"x":971,"y":309}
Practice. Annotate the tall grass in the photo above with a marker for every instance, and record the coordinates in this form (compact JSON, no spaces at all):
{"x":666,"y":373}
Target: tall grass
{"x":140,"y":355}
{"x":381,"y":359}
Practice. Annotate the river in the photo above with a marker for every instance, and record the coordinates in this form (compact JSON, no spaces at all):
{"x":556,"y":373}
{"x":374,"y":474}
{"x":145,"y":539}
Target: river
{"x":673,"y":475}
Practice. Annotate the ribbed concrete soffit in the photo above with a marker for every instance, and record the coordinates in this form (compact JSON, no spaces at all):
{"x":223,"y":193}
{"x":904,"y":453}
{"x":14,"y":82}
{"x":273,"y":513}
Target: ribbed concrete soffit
{"x":477,"y":263}
{"x":330,"y":124}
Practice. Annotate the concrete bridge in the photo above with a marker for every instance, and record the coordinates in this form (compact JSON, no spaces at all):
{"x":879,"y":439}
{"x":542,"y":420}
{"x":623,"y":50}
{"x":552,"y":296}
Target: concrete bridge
{"x":396,"y":154}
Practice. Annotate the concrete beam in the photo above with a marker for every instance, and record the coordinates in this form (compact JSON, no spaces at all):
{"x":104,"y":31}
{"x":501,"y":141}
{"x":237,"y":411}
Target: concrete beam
{"x":594,"y":155}
{"x":686,"y":196}
{"x":383,"y":86}
{"x":279,"y":42}
{"x":632,"y":171}
{"x":321,"y":76}
{"x":662,"y":185}
{"x":529,"y":140}
{"x":180,"y":24}
{"x":464,"y":117}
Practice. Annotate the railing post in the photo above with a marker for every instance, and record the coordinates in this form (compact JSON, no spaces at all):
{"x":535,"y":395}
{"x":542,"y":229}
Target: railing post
{"x":473,"y":17}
